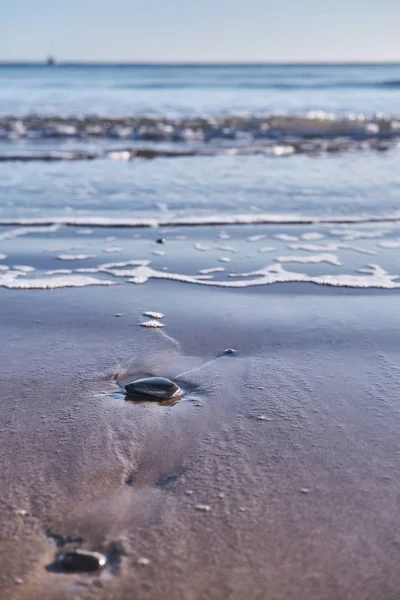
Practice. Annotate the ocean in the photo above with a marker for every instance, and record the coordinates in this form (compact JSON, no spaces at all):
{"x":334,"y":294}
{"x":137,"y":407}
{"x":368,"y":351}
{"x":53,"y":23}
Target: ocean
{"x":168,"y":146}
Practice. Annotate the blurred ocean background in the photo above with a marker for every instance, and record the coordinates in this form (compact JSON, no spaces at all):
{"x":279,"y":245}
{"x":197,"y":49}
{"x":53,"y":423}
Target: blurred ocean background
{"x":290,"y":140}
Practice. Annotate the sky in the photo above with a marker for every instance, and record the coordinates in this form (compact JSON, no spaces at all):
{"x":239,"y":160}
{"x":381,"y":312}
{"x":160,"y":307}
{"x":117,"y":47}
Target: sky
{"x":204,"y":31}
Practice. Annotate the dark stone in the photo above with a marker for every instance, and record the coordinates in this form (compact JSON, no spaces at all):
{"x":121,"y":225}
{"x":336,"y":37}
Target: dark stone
{"x":81,"y":560}
{"x":152,"y":388}
{"x":229,"y":351}
{"x":130,"y":480}
{"x":161,"y":241}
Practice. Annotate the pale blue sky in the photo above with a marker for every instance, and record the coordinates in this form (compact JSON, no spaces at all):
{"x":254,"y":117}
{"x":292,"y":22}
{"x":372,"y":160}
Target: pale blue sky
{"x":208,"y":30}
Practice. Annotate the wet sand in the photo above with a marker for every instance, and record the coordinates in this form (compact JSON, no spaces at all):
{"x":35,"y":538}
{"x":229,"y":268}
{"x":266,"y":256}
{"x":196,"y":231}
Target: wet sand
{"x":292,"y":443}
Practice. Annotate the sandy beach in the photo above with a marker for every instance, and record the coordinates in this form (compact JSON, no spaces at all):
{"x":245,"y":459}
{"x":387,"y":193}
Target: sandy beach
{"x":273,"y":477}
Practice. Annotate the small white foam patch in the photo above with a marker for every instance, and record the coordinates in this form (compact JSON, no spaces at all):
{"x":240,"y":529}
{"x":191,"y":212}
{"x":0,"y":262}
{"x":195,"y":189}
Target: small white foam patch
{"x":11,"y":280}
{"x":223,"y":236}
{"x":23,"y":268}
{"x":202,"y":247}
{"x":75,"y":256}
{"x":19,"y":231}
{"x":312,"y":236}
{"x":120,"y":270}
{"x":256,"y":238}
{"x":314,"y":247}
{"x":284,"y":237}
{"x":59,"y":272}
{"x":316,"y":258}
{"x":226,"y":248}
{"x":213,"y":270}
{"x":120,"y":155}
{"x":121,"y":265}
{"x":159,"y":253}
{"x":3,"y":256}
{"x":224,"y":259}
{"x":113,"y":249}
{"x":153,"y":315}
{"x":375,"y":277}
{"x":353,"y":234}
{"x":358,"y":249}
{"x":86,"y":270}
{"x":14,"y":233}
{"x":267,"y":249}
{"x":389,"y":244}
{"x":152,"y":323}
{"x":4,"y":268}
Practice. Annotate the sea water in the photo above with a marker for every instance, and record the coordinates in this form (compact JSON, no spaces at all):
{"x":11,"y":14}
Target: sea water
{"x":287,"y":146}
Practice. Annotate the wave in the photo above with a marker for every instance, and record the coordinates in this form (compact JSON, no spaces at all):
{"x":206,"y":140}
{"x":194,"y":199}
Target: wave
{"x":277,"y":135}
{"x":317,"y":124}
{"x":53,"y":223}
{"x":282,"y":149}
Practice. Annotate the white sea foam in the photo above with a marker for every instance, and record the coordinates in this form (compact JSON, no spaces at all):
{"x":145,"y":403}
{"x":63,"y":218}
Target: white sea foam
{"x":75,"y":256}
{"x":312,"y":236}
{"x":389,"y":244}
{"x":284,"y":237}
{"x":113,"y":249}
{"x":59,"y":272}
{"x":375,"y":277}
{"x":330,"y":248}
{"x":353,"y":234}
{"x":87,"y":270}
{"x":224,"y":259}
{"x":23,"y":268}
{"x":153,"y":323}
{"x":153,"y":315}
{"x":202,"y":247}
{"x":313,"y":258}
{"x":3,"y":256}
{"x":358,"y":249}
{"x":267,"y":249}
{"x":226,"y":248}
{"x":256,"y":238}
{"x":13,"y":280}
{"x":35,"y":228}
{"x":213,"y":270}
{"x":314,"y":247}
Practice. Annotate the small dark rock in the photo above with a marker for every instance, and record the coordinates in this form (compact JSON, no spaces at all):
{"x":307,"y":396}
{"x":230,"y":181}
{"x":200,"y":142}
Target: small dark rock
{"x":161,"y":241}
{"x":153,"y":388}
{"x":130,"y":480}
{"x":229,"y":351}
{"x":81,"y":560}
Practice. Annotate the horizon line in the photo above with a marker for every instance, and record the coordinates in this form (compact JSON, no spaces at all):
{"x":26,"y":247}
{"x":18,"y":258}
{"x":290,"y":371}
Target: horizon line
{"x":128,"y":63}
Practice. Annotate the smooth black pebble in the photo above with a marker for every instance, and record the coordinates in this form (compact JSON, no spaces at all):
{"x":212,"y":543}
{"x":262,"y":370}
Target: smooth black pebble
{"x":153,"y":388}
{"x":161,"y":241}
{"x":81,"y":560}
